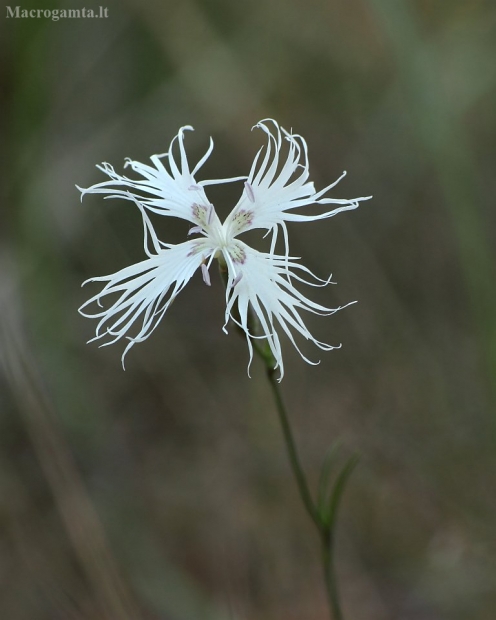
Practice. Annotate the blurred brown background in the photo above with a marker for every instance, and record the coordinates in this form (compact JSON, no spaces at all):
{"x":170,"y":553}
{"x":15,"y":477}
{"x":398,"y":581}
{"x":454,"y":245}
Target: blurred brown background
{"x":164,"y":492}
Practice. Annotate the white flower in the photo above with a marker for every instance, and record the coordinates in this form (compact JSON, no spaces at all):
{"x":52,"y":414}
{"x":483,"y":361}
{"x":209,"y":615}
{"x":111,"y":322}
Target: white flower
{"x":259,"y":284}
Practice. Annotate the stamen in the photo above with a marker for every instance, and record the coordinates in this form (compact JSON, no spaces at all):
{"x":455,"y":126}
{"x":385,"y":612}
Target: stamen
{"x":249,"y":192}
{"x":194,"y":188}
{"x":205,"y":274}
{"x":210,"y":215}
{"x":194,"y":230}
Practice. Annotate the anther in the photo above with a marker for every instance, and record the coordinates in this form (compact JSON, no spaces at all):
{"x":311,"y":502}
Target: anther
{"x":210,"y":215}
{"x":249,"y":192}
{"x":205,"y":274}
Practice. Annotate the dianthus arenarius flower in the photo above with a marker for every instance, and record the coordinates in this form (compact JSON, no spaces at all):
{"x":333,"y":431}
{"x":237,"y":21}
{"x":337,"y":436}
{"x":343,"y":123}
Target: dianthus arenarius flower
{"x":259,"y":284}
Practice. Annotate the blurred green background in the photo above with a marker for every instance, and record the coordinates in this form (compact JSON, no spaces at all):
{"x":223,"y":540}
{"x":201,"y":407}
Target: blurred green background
{"x":163,"y":492}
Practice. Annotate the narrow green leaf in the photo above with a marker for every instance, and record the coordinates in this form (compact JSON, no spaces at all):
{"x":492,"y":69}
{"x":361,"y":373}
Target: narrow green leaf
{"x":325,"y":475}
{"x":338,"y":490}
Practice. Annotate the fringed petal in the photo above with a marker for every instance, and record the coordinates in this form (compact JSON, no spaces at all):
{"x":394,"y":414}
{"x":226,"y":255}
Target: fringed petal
{"x":139,"y":295}
{"x":171,"y":190}
{"x":260,"y":283}
{"x":279,"y":184}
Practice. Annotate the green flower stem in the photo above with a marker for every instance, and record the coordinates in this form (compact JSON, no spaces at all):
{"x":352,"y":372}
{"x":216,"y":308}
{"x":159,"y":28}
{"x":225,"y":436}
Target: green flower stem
{"x":294,"y":460}
{"x":331,"y":581}
{"x":324,"y":525}
{"x":325,"y":531}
